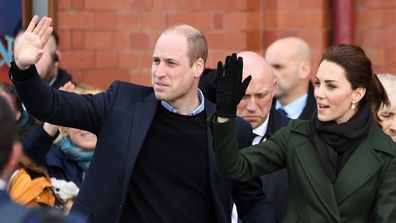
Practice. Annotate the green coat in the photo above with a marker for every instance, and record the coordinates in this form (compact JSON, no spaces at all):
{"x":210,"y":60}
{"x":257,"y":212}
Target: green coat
{"x":365,"y":187}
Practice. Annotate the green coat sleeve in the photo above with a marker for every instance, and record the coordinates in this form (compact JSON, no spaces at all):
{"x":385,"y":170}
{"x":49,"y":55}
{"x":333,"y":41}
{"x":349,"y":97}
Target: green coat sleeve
{"x":251,"y":161}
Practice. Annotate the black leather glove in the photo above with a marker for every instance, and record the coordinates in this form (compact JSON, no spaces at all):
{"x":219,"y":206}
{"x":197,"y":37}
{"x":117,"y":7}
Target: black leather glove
{"x":230,"y":88}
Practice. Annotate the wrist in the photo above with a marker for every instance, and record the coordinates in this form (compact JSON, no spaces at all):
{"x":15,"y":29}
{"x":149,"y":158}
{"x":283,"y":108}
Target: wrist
{"x":21,"y":66}
{"x":50,"y":129}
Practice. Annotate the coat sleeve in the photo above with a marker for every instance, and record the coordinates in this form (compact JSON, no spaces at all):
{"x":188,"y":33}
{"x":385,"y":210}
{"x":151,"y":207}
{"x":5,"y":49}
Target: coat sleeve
{"x":62,"y":108}
{"x":249,"y":162}
{"x":249,"y":197}
{"x":385,"y":205}
{"x":37,"y":144}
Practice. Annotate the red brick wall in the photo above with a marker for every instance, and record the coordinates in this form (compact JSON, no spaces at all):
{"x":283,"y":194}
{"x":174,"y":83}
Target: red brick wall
{"x":307,"y":19}
{"x":376,"y":32}
{"x":105,"y":40}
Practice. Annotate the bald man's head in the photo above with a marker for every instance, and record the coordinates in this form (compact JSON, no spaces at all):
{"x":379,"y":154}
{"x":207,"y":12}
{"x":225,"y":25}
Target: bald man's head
{"x":291,"y":60}
{"x":256,"y":104}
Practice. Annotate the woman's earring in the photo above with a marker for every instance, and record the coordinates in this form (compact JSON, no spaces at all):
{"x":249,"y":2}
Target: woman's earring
{"x":353,"y":106}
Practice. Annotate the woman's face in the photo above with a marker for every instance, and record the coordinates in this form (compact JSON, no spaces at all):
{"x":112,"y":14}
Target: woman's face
{"x":82,"y":139}
{"x":334,"y":94}
{"x":387,"y":118}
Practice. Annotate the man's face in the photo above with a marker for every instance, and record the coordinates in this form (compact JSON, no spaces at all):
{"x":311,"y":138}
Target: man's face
{"x":286,"y":69}
{"x":83,"y":139}
{"x":256,"y":104}
{"x":46,"y":66}
{"x":172,"y":76}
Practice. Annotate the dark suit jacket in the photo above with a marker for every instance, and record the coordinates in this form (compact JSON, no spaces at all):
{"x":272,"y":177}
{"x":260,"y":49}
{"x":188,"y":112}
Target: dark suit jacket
{"x":275,"y":184}
{"x":121,"y":118}
{"x":6,"y":205}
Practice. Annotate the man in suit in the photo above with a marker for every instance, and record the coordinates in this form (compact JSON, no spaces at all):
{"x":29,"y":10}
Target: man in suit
{"x":255,"y":107}
{"x":154,"y":156}
{"x":291,"y":61}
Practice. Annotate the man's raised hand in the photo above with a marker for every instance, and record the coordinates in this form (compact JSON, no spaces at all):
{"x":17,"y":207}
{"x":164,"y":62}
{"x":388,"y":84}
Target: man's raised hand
{"x":30,"y":46}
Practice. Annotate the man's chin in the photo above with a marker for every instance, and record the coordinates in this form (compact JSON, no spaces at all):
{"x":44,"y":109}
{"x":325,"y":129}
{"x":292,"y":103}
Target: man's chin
{"x":160,"y":96}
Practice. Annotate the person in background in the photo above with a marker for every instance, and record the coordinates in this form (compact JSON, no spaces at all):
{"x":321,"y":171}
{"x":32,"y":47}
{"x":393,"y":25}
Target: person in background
{"x":387,"y":113}
{"x":33,"y":185}
{"x":154,"y":158}
{"x":10,"y":151}
{"x":341,"y":165}
{"x":64,"y":162}
{"x":256,"y":108}
{"x":25,"y":122}
{"x":291,"y":61}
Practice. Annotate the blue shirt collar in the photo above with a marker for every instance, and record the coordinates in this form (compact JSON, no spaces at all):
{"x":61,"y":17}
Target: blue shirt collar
{"x":196,"y":111}
{"x":295,"y":108}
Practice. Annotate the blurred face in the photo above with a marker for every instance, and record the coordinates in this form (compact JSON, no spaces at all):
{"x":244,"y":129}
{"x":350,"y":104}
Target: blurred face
{"x":11,"y":103}
{"x":388,"y":121}
{"x":172,"y":76}
{"x":334,"y":94}
{"x":256,"y":104}
{"x":82,"y":139}
{"x":286,"y":69}
{"x":46,"y":67}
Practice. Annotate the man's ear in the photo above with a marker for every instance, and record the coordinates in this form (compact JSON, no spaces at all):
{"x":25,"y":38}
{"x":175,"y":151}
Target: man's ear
{"x":198,"y":67}
{"x":305,"y":69}
{"x":59,"y":54}
{"x":15,"y":155}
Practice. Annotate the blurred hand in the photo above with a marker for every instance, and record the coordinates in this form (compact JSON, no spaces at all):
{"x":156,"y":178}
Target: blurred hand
{"x":69,"y":87}
{"x":230,"y":88}
{"x":30,"y":47}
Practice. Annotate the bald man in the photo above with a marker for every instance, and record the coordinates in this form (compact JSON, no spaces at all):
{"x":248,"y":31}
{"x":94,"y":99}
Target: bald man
{"x":291,"y":60}
{"x":48,"y":67}
{"x":255,"y":107}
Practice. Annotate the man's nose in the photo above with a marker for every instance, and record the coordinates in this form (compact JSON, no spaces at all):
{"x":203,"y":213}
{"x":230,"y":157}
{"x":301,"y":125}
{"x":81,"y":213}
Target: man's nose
{"x":251,"y":106}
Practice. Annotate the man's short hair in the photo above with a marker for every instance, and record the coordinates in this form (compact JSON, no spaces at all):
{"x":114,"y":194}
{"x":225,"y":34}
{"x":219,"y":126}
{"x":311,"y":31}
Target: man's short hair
{"x":196,"y":42}
{"x":8,"y":132}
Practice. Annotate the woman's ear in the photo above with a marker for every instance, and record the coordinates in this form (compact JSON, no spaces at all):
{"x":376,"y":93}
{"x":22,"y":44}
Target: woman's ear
{"x":358,"y":94}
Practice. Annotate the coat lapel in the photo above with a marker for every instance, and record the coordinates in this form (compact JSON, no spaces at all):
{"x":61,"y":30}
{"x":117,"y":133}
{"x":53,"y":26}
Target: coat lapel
{"x":143,"y":116}
{"x":317,"y":177}
{"x":360,"y":167}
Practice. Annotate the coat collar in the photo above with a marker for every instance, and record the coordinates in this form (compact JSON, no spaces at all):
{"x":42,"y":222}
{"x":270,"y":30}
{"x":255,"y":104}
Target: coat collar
{"x":361,"y":166}
{"x":363,"y":163}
